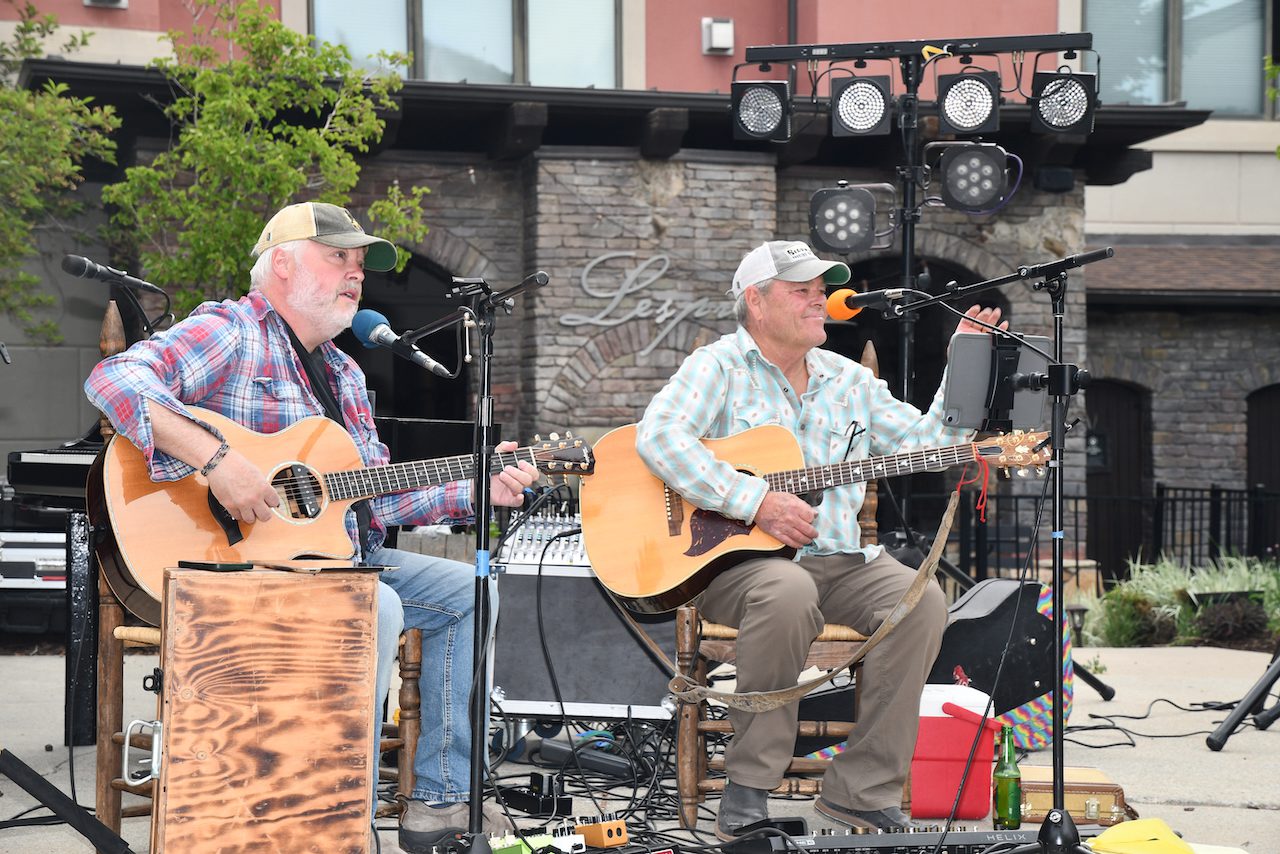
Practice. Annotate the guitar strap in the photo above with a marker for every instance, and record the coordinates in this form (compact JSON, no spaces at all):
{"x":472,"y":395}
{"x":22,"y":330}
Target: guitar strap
{"x":317,"y":371}
{"x":688,"y":691}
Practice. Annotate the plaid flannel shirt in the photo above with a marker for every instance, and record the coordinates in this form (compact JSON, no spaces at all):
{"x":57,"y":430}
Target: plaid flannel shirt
{"x":235,"y":358}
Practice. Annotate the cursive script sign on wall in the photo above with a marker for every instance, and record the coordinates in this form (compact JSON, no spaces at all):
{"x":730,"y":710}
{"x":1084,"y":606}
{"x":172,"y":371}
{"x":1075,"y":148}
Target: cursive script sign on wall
{"x":623,"y":305}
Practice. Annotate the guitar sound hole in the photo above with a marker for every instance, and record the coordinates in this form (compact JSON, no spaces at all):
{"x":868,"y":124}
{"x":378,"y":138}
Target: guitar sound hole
{"x":300,"y":494}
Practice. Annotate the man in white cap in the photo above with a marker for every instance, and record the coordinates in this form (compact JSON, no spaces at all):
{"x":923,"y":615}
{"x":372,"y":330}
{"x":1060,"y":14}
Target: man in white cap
{"x":266,"y":361}
{"x":772,"y":370}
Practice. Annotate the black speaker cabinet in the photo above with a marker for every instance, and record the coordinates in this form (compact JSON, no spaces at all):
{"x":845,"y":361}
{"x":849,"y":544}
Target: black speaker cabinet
{"x":602,"y":670}
{"x":981,"y":621}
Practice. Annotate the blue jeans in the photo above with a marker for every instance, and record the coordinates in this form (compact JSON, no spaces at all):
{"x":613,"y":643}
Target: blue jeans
{"x":437,"y":596}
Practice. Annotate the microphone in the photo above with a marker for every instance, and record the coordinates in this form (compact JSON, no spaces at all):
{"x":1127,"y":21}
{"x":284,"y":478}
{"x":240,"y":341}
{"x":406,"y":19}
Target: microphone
{"x":1053,"y":268}
{"x":532,"y":282}
{"x":372,"y":329}
{"x":80,"y":266}
{"x":846,"y":303}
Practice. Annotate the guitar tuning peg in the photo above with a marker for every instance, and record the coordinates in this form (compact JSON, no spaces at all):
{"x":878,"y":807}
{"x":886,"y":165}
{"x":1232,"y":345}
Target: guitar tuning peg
{"x":537,"y":437}
{"x":555,"y":437}
{"x":568,"y":434}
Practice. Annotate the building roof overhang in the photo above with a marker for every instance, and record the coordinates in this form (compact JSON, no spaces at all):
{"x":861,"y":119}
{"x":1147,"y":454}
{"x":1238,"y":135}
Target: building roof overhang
{"x":507,"y":121}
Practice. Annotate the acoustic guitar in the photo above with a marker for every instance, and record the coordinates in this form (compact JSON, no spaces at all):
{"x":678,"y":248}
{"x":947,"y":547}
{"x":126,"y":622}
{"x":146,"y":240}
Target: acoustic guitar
{"x":140,"y":527}
{"x":655,"y":551}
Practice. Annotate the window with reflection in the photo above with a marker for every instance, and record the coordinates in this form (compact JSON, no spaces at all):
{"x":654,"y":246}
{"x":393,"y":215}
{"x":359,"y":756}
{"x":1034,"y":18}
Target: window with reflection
{"x":1207,"y":53}
{"x":539,"y":42}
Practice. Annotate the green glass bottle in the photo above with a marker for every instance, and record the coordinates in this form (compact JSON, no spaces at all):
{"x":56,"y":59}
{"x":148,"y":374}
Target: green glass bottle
{"x":1007,"y":785}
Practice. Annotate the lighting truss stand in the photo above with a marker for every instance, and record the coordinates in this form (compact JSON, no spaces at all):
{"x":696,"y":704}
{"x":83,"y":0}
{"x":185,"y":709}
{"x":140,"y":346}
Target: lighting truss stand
{"x":103,"y":838}
{"x":1262,"y":718}
{"x":911,"y":61}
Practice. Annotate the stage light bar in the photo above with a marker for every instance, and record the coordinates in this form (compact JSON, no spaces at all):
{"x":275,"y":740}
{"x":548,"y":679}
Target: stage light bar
{"x":1063,"y":102}
{"x":860,"y":106}
{"x":842,"y":219}
{"x":974,"y":176}
{"x":969,"y":103}
{"x":761,"y":110}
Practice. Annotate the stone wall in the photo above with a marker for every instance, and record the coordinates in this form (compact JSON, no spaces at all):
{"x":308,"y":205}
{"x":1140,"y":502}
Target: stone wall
{"x":1035,"y":227}
{"x":640,"y":255}
{"x":477,"y":212}
{"x":1199,"y":367}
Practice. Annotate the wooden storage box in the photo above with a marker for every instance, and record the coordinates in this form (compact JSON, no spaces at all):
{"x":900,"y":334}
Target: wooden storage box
{"x":1087,"y":794}
{"x":267,"y":712}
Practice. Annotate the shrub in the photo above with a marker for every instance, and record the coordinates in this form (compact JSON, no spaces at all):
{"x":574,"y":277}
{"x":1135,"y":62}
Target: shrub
{"x":1155,"y":604}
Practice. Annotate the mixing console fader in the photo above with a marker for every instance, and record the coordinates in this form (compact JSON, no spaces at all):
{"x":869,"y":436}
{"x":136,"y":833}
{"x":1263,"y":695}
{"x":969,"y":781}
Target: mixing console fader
{"x":535,"y":541}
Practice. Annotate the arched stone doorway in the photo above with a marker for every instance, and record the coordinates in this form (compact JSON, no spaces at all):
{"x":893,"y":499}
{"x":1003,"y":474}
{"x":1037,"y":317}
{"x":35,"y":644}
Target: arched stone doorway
{"x":928,"y":358}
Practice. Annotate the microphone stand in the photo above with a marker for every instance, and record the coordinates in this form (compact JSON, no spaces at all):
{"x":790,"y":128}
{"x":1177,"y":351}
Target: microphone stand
{"x":483,"y":306}
{"x":1058,"y":833}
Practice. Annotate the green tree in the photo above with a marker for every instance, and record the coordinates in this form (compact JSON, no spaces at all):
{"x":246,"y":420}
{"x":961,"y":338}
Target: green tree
{"x":47,"y":137}
{"x":1271,"y":70}
{"x":262,"y":116}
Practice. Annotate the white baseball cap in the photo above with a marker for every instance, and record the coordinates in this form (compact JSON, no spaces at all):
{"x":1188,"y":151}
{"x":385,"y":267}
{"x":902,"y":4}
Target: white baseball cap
{"x":788,"y":260}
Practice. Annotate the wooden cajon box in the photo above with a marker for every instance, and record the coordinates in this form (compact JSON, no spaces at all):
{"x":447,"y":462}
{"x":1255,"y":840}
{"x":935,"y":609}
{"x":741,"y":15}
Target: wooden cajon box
{"x":1087,"y":793}
{"x":266,"y":712}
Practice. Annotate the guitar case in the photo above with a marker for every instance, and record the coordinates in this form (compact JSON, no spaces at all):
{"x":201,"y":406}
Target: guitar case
{"x":980,"y":623}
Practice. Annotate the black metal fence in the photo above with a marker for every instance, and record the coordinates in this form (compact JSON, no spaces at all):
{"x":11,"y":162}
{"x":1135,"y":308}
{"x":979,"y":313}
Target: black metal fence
{"x":1191,"y":525}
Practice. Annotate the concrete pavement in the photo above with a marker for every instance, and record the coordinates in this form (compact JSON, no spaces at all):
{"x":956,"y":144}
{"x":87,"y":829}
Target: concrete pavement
{"x":1229,"y":798}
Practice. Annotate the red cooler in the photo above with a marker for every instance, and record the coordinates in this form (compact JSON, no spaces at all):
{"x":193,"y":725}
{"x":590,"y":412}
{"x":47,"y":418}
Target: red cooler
{"x":949,"y":718}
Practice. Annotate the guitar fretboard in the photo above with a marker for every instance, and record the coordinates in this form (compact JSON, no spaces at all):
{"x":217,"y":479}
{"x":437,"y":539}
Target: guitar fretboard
{"x":401,"y":477}
{"x":800,"y":481}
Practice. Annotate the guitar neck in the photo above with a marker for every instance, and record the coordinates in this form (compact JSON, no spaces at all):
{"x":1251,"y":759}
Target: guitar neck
{"x":401,"y":477}
{"x":801,"y":481}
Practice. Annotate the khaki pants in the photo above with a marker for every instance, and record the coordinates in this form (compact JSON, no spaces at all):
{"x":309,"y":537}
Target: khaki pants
{"x":779,"y":607}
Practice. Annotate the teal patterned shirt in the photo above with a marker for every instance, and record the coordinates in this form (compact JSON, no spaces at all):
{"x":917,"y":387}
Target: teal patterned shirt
{"x":845,"y":414}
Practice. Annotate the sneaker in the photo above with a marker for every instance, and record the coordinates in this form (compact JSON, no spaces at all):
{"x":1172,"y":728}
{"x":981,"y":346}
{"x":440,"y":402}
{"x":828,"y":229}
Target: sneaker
{"x":887,"y":819}
{"x":740,"y":806}
{"x":423,"y":826}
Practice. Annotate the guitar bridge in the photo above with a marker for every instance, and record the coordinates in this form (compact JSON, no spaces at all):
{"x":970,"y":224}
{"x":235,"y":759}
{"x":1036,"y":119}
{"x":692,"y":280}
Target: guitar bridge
{"x":675,"y":511}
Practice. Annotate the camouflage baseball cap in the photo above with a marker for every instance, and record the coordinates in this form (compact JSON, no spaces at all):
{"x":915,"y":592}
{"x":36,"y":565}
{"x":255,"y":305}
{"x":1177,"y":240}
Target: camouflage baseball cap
{"x":327,"y":224}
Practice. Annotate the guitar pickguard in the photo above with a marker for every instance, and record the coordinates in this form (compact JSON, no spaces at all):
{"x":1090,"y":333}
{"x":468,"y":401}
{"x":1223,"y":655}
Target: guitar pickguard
{"x":708,"y":530}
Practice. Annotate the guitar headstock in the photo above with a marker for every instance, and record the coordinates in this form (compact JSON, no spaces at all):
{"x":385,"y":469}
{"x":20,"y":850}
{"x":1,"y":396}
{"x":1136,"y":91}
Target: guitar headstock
{"x":1015,"y":450}
{"x":562,"y":455}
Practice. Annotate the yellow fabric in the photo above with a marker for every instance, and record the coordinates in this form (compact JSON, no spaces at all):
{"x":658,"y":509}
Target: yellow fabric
{"x":1141,"y":836}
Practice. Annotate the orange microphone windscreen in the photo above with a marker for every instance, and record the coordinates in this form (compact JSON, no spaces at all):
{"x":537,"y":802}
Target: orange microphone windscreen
{"x":837,"y":305}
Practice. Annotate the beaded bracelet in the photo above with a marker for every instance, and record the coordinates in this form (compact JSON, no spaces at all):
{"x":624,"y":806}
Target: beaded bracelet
{"x":215,"y":459}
